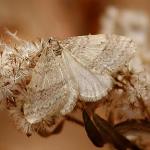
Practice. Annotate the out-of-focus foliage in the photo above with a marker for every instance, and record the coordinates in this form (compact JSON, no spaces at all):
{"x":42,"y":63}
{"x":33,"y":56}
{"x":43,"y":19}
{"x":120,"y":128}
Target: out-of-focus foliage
{"x":130,"y":98}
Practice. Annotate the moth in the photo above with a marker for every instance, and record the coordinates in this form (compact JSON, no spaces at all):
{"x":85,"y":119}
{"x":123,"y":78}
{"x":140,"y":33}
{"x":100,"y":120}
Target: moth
{"x":46,"y":80}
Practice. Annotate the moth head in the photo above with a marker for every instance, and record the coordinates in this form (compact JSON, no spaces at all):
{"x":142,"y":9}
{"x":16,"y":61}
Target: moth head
{"x":55,"y":46}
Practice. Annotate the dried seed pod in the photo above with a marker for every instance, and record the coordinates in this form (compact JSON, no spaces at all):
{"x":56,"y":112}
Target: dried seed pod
{"x":101,"y":132}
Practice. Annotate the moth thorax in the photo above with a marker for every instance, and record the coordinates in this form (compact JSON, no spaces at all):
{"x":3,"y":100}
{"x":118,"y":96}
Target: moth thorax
{"x":54,"y":44}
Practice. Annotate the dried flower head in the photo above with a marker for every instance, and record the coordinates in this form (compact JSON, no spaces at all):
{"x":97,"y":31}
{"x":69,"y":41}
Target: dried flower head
{"x":130,"y":98}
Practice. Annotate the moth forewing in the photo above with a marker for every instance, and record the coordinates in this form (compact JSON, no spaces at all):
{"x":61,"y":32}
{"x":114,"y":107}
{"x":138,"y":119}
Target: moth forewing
{"x":101,"y":53}
{"x":48,"y":90}
{"x":93,"y":59}
{"x":91,"y":86}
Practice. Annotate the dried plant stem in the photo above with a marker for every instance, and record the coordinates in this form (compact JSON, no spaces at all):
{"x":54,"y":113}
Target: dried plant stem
{"x":74,"y":120}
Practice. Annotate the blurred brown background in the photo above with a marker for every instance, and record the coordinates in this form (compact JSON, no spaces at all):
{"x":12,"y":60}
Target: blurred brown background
{"x":44,"y":18}
{"x":58,"y":18}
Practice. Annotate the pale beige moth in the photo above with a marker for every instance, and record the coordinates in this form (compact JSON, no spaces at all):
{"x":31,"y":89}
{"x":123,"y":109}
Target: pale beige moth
{"x":52,"y":76}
